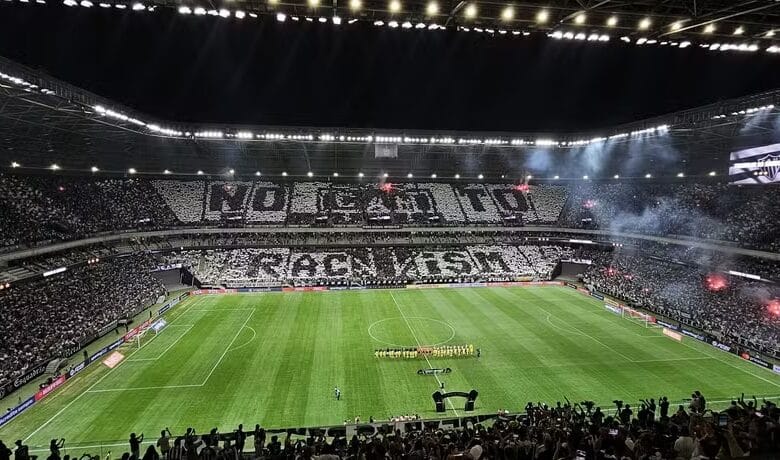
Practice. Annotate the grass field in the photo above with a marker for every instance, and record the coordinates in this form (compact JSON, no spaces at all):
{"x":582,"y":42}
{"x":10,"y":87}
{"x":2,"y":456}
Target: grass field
{"x":274,"y":359}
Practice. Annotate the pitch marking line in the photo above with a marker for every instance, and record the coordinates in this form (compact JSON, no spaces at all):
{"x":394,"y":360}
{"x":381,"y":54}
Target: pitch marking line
{"x":419,"y":344}
{"x":254,"y":336}
{"x":135,"y":360}
{"x":371,"y":327}
{"x":228,"y":347}
{"x":67,"y":406}
{"x":715,"y":357}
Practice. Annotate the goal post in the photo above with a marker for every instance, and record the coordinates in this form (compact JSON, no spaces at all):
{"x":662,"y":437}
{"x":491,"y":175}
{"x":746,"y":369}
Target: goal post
{"x":643,"y":319}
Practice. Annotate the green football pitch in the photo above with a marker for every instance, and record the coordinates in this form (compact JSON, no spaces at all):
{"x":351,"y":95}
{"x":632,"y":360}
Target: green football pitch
{"x":275,"y":359}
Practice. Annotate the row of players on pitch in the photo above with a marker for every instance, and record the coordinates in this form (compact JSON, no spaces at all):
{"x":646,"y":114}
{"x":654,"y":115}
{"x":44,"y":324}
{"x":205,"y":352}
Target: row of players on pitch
{"x":448,"y":351}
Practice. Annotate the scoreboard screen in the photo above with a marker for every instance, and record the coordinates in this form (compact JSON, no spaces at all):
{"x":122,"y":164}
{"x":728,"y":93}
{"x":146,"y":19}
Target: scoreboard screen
{"x":756,"y":165}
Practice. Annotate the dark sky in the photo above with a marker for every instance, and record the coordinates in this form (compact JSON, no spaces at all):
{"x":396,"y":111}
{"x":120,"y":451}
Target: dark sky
{"x":208,"y":69}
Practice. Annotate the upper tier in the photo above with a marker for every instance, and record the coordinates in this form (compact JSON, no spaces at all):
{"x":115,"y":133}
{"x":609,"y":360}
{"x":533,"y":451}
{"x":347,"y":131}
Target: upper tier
{"x":40,"y":208}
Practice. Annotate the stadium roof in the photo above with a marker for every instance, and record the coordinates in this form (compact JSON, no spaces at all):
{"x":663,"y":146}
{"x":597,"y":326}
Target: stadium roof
{"x":44,"y":122}
{"x":649,"y":19}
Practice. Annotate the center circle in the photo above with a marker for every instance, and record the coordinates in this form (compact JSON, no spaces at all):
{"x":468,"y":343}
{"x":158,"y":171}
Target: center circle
{"x":411,"y":331}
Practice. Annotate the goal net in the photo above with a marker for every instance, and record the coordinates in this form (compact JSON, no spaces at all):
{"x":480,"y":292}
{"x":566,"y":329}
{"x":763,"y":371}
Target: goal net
{"x":145,"y":335}
{"x":636,"y":316}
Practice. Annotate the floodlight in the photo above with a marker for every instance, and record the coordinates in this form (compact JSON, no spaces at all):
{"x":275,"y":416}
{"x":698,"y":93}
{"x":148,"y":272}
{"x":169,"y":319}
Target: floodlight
{"x":644,"y":24}
{"x":580,"y":18}
{"x":94,"y":169}
{"x":284,"y":174}
{"x":132,"y":171}
{"x":739,"y":30}
{"x":138,"y":6}
{"x":542,"y":16}
{"x":480,"y":176}
{"x":15,"y":164}
{"x":185,"y":10}
{"x":200,"y":173}
{"x":432,"y":8}
{"x":54,"y":167}
{"x":355,"y":5}
{"x":612,"y":21}
{"x":281,"y":17}
{"x":239,"y":14}
{"x":395,"y":6}
{"x":471,"y":11}
{"x":709,"y":29}
{"x":508,"y":13}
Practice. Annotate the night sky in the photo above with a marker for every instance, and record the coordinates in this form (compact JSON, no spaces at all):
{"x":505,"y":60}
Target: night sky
{"x":209,"y":69}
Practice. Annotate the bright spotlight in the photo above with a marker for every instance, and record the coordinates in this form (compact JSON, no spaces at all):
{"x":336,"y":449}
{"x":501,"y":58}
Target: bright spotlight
{"x":240,"y":14}
{"x":680,"y":175}
{"x":712,"y":173}
{"x":335,"y":174}
{"x":54,"y":167}
{"x":395,"y":6}
{"x":508,"y":13}
{"x":739,"y":30}
{"x":771,"y":33}
{"x":677,"y":25}
{"x":257,"y":173}
{"x":471,"y":11}
{"x":86,"y":4}
{"x":15,"y":164}
{"x":132,"y":171}
{"x":167,"y":171}
{"x":231,"y":171}
{"x":648,"y":176}
{"x":281,"y":17}
{"x":355,"y":5}
{"x":556,"y":177}
{"x":709,"y":29}
{"x":313,"y":3}
{"x":410,"y":175}
{"x":200,"y":173}
{"x":432,"y":9}
{"x":457,"y":176}
{"x":94,"y":169}
{"x":580,"y":18}
{"x":542,"y":16}
{"x":360,"y":174}
{"x":644,"y":24}
{"x":284,"y":173}
{"x":616,"y":176}
{"x":138,"y":6}
{"x":385,"y":175}
{"x":336,"y":20}
{"x":585,"y":177}
{"x":433,"y":176}
{"x":185,"y":10}
{"x":612,"y":21}
{"x":480,"y":176}
{"x":310,"y":174}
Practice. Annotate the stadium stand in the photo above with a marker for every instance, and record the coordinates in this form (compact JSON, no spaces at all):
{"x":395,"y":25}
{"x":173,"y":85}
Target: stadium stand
{"x":63,"y":311}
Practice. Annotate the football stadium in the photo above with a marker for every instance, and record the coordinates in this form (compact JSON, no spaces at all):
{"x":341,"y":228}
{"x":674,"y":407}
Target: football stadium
{"x":243,"y":229}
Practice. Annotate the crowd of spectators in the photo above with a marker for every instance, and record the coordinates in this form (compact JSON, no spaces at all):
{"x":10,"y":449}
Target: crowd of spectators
{"x":734,"y":214}
{"x":732,"y":309}
{"x":48,"y":318}
{"x":248,"y":267}
{"x":579,"y":431}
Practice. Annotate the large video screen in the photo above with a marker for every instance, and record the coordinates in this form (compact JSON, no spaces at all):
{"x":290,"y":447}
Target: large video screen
{"x":757,"y":165}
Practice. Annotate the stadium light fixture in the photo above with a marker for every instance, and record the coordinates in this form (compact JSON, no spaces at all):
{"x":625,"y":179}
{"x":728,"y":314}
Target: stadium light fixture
{"x":284,"y":173}
{"x":529,"y":177}
{"x":200,"y":173}
{"x":556,"y":177}
{"x":580,"y":19}
{"x":739,"y":30}
{"x":167,"y":172}
{"x":223,"y":13}
{"x":394,"y":6}
{"x":257,"y":173}
{"x":138,"y":7}
{"x":310,"y":174}
{"x":470,"y":11}
{"x":433,"y":176}
{"x":676,"y":25}
{"x":313,"y":3}
{"x":281,"y":17}
{"x":680,"y":174}
{"x":709,"y":29}
{"x":612,"y":21}
{"x":70,"y":3}
{"x":355,"y":5}
{"x":199,"y":11}
{"x":385,"y":175}
{"x":480,"y":176}
{"x":585,"y":177}
{"x":360,"y":174}
{"x":86,"y":4}
{"x":712,"y":173}
{"x":185,"y":10}
{"x":508,"y":13}
{"x":616,"y":176}
{"x":644,"y":24}
{"x":770,"y":34}
{"x":648,"y":176}
{"x":132,"y":171}
{"x":94,"y":169}
{"x":336,"y":20}
{"x":239,"y":14}
{"x":54,"y":167}
{"x":432,"y":9}
{"x":335,"y":174}
{"x":15,"y":164}
{"x":273,"y":2}
{"x":542,"y":16}
{"x":410,"y":175}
